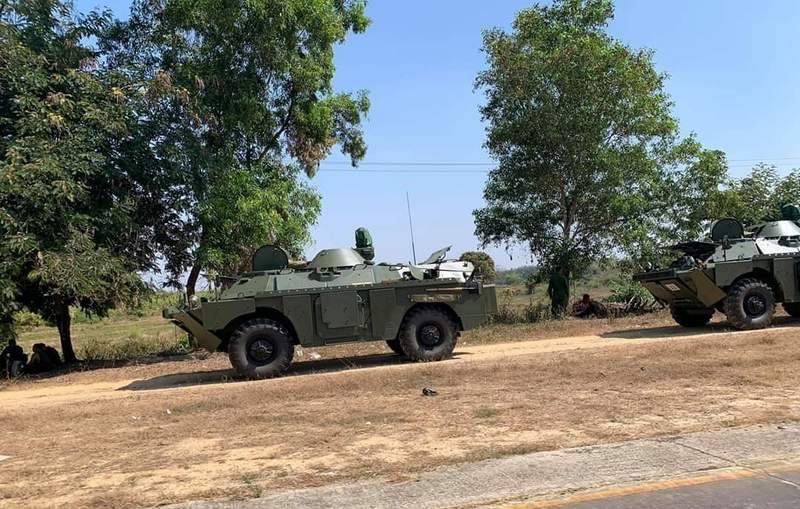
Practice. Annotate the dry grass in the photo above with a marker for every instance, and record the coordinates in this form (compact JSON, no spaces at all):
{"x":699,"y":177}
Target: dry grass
{"x":133,"y":448}
{"x":112,"y":339}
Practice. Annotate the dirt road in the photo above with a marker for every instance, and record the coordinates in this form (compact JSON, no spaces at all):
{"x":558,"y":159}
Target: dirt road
{"x":184,"y":430}
{"x":47,"y":393}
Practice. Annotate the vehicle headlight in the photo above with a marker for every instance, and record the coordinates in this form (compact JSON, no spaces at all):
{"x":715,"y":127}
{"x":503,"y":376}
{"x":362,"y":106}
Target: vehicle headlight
{"x":194,"y":301}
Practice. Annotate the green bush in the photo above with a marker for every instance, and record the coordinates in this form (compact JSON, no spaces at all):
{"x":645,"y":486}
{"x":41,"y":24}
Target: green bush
{"x":483,"y":263}
{"x":624,"y":289}
{"x":135,"y":346}
{"x":28,"y":319}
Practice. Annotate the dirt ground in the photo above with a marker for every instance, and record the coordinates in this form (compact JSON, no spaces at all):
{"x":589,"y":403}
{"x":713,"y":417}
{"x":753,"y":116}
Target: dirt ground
{"x":151,"y":434}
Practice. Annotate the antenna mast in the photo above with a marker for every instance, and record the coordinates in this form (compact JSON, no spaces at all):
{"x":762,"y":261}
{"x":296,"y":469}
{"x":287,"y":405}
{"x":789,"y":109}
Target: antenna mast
{"x":411,"y":227}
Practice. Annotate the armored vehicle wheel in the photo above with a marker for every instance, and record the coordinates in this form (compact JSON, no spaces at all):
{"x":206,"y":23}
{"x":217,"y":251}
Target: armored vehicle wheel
{"x":261,"y":348}
{"x":691,"y":317}
{"x":792,"y":309}
{"x":750,"y":304}
{"x":394,"y":344}
{"x":428,"y":334}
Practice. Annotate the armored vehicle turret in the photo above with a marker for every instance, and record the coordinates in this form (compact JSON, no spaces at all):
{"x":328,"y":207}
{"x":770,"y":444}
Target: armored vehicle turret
{"x":741,"y":273}
{"x":339,"y":296}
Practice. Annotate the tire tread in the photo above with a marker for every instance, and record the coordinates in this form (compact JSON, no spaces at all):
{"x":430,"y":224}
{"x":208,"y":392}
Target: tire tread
{"x":249,"y":327}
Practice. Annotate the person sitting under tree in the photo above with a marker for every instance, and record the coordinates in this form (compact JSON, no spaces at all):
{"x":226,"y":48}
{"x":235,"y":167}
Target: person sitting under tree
{"x":13,"y":359}
{"x":587,"y":307}
{"x":44,"y":358}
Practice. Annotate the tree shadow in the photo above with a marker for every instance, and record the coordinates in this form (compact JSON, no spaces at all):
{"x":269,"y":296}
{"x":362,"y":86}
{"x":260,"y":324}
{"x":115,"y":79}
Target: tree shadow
{"x":301,"y":368}
{"x":94,"y":365}
{"x":679,"y":331}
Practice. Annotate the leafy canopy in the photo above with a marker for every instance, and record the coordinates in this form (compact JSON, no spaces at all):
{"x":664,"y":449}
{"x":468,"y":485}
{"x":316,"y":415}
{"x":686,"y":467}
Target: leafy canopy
{"x":588,"y":152}
{"x":74,"y":216}
{"x":240,"y":98}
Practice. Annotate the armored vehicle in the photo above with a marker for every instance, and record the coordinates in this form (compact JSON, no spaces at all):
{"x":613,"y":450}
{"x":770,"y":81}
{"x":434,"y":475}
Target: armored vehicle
{"x":341,"y":295}
{"x":742,"y":274}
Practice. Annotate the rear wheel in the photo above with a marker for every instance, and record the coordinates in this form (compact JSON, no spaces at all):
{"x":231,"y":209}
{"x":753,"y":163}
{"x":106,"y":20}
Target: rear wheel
{"x":792,"y":309}
{"x":691,"y":316}
{"x":750,"y":304}
{"x":394,"y":344}
{"x":261,"y":348}
{"x":428,"y":334}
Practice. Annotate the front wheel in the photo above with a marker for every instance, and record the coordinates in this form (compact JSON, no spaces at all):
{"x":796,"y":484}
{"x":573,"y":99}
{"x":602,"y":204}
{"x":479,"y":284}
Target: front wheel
{"x":428,"y":334}
{"x":691,"y":317}
{"x":261,"y":348}
{"x":750,"y":304}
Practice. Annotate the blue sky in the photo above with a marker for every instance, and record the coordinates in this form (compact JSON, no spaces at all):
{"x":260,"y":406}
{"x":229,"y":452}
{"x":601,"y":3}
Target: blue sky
{"x":734,"y":77}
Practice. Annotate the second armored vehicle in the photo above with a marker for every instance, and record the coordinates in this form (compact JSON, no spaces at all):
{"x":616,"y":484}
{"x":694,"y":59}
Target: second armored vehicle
{"x":741,"y":274}
{"x":339,"y":296}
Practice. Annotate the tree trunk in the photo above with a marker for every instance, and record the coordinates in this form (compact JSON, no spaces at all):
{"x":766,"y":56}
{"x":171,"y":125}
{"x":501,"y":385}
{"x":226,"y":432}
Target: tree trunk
{"x":191,"y":281}
{"x":63,"y":323}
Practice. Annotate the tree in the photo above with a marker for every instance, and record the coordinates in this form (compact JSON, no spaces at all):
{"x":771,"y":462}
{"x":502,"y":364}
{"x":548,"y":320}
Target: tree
{"x":759,"y":196}
{"x":241,"y":100}
{"x":483,"y":263}
{"x":70,"y":204}
{"x":587,"y":148}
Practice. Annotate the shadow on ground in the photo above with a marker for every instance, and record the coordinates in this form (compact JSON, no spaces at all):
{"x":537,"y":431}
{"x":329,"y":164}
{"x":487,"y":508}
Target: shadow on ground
{"x":94,"y":365}
{"x":677,"y":330}
{"x":297,"y":369}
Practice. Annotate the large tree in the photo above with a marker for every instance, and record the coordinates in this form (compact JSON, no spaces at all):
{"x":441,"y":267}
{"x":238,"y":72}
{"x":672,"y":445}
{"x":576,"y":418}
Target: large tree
{"x":77,"y":201}
{"x":240,"y":97}
{"x":589,"y":156}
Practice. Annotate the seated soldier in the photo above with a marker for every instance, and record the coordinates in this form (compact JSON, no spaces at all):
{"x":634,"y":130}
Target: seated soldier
{"x":44,"y":358}
{"x":12,"y":359}
{"x":52,"y":354}
{"x":588,"y":307}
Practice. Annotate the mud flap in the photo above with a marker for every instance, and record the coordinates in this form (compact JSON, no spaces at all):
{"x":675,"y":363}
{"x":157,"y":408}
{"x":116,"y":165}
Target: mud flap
{"x":707,"y":292}
{"x":204,"y":337}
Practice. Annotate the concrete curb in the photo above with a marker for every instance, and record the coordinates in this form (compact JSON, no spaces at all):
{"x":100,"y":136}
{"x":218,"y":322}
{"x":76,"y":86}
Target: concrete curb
{"x":550,"y":474}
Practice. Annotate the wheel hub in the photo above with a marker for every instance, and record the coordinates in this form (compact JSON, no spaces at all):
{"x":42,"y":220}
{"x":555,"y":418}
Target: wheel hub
{"x":430,"y":335}
{"x":755,"y":305}
{"x":261,"y":350}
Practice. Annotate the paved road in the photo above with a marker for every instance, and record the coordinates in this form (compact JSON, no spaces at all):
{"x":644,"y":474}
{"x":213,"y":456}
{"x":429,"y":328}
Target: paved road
{"x":758,"y":464}
{"x":766,"y":491}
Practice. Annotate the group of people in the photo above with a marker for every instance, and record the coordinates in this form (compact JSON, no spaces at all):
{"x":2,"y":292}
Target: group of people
{"x":14,"y":361}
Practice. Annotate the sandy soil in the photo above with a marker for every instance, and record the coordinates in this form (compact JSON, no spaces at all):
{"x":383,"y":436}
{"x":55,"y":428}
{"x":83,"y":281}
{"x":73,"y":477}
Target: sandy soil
{"x":185,"y":429}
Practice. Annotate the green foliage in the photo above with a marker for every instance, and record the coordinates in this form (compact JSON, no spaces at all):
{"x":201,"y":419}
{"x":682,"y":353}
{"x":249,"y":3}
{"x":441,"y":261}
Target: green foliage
{"x":759,"y":196}
{"x":483,"y":263}
{"x":75,"y":219}
{"x":623,"y":289}
{"x":240,"y":103}
{"x":135,"y":346}
{"x":588,"y":153}
{"x":509,"y":313}
{"x":28,"y":319}
{"x":514,"y":277}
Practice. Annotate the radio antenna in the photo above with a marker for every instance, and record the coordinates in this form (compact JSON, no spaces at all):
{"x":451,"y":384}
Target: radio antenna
{"x":411,"y":227}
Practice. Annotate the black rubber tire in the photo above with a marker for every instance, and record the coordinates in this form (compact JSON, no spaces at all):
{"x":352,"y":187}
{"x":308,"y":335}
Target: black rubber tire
{"x":691,"y":317}
{"x":741,"y":313}
{"x":272,"y":336}
{"x":394,"y":345}
{"x":792,"y":309}
{"x":428,"y":334}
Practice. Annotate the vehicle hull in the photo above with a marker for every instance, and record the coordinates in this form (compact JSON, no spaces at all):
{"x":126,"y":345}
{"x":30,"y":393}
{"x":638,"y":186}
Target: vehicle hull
{"x":370,"y":312}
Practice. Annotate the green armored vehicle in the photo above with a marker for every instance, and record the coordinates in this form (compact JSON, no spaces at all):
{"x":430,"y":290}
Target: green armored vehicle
{"x":339,"y":296}
{"x":741,"y":274}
